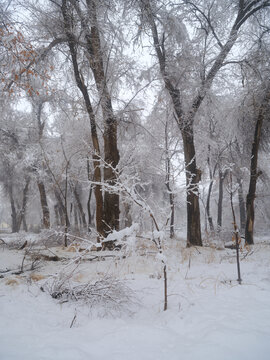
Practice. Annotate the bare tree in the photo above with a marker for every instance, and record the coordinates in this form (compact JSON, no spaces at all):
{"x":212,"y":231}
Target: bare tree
{"x":150,"y":12}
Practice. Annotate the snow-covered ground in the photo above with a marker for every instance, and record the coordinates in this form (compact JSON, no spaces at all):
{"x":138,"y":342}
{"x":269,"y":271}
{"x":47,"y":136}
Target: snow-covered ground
{"x":209,"y":315}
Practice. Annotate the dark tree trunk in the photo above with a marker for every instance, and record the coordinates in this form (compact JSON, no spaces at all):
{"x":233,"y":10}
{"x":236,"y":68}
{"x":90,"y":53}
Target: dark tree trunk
{"x":254,"y":174}
{"x":14,"y":223}
{"x":89,"y":208}
{"x":242,"y":208}
{"x":236,"y":233}
{"x":44,"y":205}
{"x":89,"y":197}
{"x":192,"y":178}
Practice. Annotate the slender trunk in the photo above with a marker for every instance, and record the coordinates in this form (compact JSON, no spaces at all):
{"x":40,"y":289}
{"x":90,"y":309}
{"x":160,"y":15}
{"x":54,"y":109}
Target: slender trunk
{"x":242,"y":208}
{"x":222,"y":176}
{"x":76,"y":224}
{"x":14,"y":224}
{"x":167,"y":182}
{"x":207,"y":208}
{"x":89,"y":197}
{"x":89,"y":208}
{"x":211,"y":175}
{"x":21,"y":218}
{"x":44,"y":205}
{"x":254,"y":173}
{"x":67,"y":224}
{"x":57,"y":216}
{"x":236,"y":233}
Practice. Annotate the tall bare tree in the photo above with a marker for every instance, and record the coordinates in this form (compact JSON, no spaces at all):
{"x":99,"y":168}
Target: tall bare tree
{"x":154,"y":13}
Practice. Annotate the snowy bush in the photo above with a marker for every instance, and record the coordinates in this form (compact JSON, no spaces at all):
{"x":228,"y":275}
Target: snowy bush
{"x":108,"y":294}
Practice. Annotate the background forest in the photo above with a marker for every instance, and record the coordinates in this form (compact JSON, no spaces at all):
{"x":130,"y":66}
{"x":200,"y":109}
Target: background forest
{"x":123,"y":112}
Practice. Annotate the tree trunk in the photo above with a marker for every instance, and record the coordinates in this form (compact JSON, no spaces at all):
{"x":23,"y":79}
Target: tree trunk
{"x":60,"y":207}
{"x":111,"y":154}
{"x":192,"y":179}
{"x":89,"y":197}
{"x":72,"y":42}
{"x":242,"y":208}
{"x":211,"y":175}
{"x":167,"y":181}
{"x":76,"y":224}
{"x":80,"y":208}
{"x":14,"y":223}
{"x":254,"y":174}
{"x":127,"y":214}
{"x":21,"y":218}
{"x":57,"y":215}
{"x":44,"y":205}
{"x":222,"y":176}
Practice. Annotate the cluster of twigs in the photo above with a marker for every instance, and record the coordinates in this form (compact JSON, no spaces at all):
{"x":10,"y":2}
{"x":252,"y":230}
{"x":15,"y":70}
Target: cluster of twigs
{"x":112,"y":294}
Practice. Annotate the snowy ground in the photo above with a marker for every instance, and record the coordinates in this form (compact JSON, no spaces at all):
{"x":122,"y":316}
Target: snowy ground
{"x":209,"y":317}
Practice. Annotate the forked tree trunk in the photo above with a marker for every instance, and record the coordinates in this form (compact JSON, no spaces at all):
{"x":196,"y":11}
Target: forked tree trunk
{"x":254,"y":174}
{"x":44,"y":205}
{"x":72,"y":42}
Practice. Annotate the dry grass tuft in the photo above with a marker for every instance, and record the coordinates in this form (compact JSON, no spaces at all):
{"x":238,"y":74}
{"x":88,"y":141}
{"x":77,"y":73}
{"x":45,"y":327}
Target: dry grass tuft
{"x":12,"y":282}
{"x":37,"y":277}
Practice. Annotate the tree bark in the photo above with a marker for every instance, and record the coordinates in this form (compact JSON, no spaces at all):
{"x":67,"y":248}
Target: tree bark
{"x":22,"y":214}
{"x":192,"y":179}
{"x":254,"y":174}
{"x":60,"y":208}
{"x":167,"y":182}
{"x":44,"y":205}
{"x":111,"y":153}
{"x":222,"y":176}
{"x":211,"y":175}
{"x":242,"y":208}
{"x":14,"y":224}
